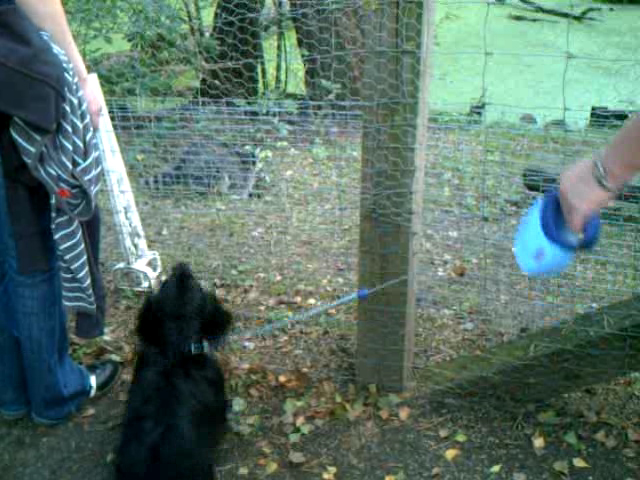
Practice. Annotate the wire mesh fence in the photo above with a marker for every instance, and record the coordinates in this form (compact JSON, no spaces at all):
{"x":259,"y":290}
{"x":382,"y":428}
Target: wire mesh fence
{"x":539,"y":94}
{"x":252,"y":131}
{"x":270,"y":187}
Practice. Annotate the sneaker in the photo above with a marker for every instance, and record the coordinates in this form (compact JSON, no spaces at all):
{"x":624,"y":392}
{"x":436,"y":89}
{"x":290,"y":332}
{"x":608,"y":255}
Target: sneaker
{"x":103,"y":376}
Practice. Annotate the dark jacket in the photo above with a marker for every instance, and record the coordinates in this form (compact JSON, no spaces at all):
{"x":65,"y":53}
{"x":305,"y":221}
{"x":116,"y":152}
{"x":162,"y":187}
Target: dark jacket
{"x":68,"y":163}
{"x":49,"y":153}
{"x":31,"y":82}
{"x":31,"y":76}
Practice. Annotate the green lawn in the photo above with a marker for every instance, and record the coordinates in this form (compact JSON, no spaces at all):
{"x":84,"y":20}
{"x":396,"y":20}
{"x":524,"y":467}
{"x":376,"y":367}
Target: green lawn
{"x":524,"y":66}
{"x":550,"y":68}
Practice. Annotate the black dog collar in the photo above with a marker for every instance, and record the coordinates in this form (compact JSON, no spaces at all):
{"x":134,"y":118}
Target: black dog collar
{"x":205,"y":346}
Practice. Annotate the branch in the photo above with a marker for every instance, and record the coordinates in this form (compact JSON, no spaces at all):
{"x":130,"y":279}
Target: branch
{"x":559,"y":13}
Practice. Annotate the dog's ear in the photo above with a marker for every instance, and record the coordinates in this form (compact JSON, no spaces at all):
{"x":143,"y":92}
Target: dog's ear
{"x":218,"y":319}
{"x":148,"y":329}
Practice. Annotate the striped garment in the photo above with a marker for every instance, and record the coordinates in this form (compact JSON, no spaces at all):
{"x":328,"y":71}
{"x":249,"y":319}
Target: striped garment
{"x":68,"y":163}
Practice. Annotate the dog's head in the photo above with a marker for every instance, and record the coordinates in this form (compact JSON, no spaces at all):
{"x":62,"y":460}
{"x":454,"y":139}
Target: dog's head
{"x":181,"y":312}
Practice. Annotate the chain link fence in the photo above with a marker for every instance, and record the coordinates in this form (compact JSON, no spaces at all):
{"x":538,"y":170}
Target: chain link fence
{"x":249,"y":132}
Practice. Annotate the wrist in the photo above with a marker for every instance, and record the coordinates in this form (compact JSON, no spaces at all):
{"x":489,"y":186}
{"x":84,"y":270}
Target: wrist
{"x":82,"y":74}
{"x":606,"y":175}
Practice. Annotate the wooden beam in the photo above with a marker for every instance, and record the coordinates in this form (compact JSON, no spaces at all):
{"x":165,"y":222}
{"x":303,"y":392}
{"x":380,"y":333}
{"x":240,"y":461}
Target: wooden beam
{"x":395,"y":93}
{"x":592,"y":348}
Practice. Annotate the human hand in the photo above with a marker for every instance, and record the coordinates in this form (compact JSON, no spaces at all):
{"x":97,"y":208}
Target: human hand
{"x":580,"y":195}
{"x":91,"y":95}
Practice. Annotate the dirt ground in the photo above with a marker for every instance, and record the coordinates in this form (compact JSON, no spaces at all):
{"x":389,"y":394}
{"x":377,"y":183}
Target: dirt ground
{"x":587,"y":435}
{"x":498,"y":442}
{"x":288,"y":425}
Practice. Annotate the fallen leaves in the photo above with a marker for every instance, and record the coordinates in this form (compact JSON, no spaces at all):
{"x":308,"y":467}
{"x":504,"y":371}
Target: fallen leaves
{"x":633,"y":435}
{"x":296,"y":457}
{"x":302,"y":405}
{"x":271,"y":467}
{"x":294,"y":380}
{"x":396,"y":476}
{"x":451,"y":453}
{"x":603,"y":437}
{"x":384,"y":414}
{"x":268,"y":465}
{"x":548,"y":417}
{"x":579,"y":463}
{"x":238,"y":405}
{"x":403,"y":413}
{"x":461,"y":437}
{"x":329,"y":473}
{"x":572,"y":439}
{"x":562,"y":467}
{"x":459,"y":270}
{"x":539,"y":443}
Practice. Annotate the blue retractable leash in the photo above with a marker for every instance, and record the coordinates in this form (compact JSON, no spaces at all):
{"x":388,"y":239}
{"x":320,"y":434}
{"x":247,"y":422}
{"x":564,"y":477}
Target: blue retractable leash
{"x":211,"y":344}
{"x":543,"y":244}
{"x":361,"y":294}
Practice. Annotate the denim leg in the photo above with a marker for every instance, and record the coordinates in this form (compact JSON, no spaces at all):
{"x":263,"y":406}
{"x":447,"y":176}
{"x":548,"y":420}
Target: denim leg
{"x":13,"y":388}
{"x":56,"y":385}
{"x":34,"y":349}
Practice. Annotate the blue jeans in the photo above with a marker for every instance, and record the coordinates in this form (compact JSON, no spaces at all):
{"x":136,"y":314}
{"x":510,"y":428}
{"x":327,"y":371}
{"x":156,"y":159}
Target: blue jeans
{"x":37,"y":374}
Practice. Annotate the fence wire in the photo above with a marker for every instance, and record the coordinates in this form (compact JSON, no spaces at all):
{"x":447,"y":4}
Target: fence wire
{"x":249,"y":138}
{"x":541,"y":92}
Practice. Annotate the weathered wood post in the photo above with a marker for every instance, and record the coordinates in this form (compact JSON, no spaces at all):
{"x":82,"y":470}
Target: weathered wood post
{"x":395,"y":94}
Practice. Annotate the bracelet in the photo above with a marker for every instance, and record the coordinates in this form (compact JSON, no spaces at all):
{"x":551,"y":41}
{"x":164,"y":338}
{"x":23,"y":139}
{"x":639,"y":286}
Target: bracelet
{"x":601,"y":176}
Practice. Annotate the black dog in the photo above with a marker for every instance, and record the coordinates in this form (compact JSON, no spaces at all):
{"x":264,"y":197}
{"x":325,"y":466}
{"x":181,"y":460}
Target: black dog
{"x":177,"y":408}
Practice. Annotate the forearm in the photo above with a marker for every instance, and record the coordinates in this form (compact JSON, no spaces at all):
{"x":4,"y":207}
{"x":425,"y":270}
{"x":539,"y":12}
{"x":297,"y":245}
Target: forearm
{"x":50,"y":16}
{"x":622,"y":157}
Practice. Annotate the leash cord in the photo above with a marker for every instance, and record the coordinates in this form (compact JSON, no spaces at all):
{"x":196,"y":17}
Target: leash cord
{"x":361,"y":294}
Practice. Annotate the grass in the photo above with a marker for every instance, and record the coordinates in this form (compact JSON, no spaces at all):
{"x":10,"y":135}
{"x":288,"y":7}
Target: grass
{"x":302,"y":235}
{"x":549,"y":68}
{"x":296,"y":247}
{"x":300,"y":239}
{"x":481,"y":54}
{"x":294,"y":76}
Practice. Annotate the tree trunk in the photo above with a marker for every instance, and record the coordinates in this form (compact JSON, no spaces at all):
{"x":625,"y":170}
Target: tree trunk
{"x":330,"y":39}
{"x":234,"y":70}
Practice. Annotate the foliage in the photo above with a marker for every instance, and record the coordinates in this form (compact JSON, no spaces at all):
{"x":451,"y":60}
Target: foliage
{"x":94,"y":27}
{"x":155,"y":30}
{"x":162,"y":50}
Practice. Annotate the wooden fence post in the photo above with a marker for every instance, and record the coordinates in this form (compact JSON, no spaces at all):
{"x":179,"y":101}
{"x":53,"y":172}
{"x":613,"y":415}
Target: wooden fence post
{"x":395,"y":95}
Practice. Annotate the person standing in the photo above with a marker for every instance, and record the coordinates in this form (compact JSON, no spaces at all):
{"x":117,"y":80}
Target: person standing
{"x":47,"y":107}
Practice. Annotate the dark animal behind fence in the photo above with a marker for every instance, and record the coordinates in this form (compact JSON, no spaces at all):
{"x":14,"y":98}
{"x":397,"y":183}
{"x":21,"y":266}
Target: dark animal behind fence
{"x":211,"y":166}
{"x":177,"y":407}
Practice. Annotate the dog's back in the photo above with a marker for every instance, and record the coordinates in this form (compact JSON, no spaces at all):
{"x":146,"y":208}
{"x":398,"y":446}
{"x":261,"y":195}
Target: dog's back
{"x":176,"y":412}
